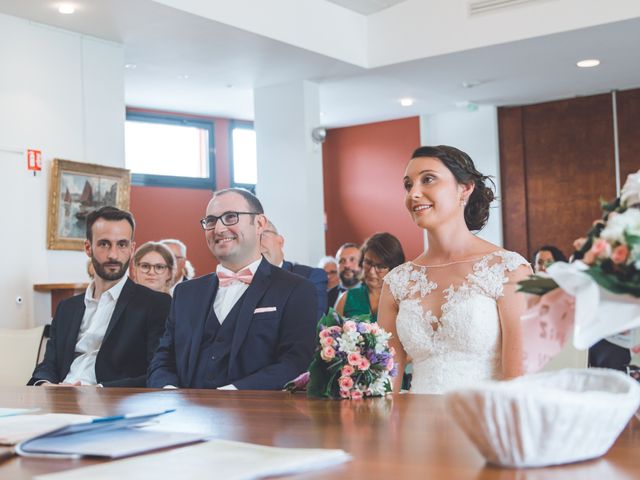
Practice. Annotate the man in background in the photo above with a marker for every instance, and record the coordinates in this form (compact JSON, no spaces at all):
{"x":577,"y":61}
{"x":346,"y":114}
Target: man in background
{"x":349,"y":272}
{"x":272,"y":248}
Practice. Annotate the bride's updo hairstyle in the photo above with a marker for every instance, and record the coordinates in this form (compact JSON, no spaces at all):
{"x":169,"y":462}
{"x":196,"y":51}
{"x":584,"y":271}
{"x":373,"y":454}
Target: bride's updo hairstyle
{"x":476,"y":213}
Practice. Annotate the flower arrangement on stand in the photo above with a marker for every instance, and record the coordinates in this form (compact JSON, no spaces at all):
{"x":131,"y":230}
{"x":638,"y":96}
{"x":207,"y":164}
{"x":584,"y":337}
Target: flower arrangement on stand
{"x":353,"y":360}
{"x":601,"y":291}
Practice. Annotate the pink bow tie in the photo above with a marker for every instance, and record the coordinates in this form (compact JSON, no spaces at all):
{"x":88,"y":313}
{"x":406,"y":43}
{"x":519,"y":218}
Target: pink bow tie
{"x":226,"y":279}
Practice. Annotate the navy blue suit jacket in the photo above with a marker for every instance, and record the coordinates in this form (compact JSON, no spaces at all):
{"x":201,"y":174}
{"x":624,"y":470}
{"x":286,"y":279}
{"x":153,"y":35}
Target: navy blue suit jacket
{"x":317,"y":276}
{"x":268,"y":348}
{"x":129,"y":343}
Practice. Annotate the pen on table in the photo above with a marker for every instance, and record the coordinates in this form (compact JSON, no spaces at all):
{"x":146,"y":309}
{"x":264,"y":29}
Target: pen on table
{"x":6,"y":453}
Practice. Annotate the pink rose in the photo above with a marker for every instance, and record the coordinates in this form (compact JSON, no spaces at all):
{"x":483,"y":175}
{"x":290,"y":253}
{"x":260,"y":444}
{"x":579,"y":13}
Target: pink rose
{"x":601,"y":248}
{"x":635,"y":349}
{"x":620,"y":254}
{"x":345,"y":383}
{"x":354,"y":359}
{"x":356,"y":395}
{"x":328,"y":354}
{"x":375,"y":328}
{"x":347,"y":370}
{"x":324,"y":333}
{"x":329,"y":341}
{"x":349,"y":326}
{"x":335,"y":329}
{"x":363,"y":364}
{"x":344,"y":393}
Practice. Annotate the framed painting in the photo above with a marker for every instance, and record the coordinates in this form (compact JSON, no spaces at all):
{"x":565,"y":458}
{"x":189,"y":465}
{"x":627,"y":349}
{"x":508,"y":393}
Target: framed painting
{"x":76,"y":189}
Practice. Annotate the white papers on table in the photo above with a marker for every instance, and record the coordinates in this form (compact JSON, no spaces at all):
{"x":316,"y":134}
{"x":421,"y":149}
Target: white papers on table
{"x":219,"y":458}
{"x":9,"y":412}
{"x":15,"y":429}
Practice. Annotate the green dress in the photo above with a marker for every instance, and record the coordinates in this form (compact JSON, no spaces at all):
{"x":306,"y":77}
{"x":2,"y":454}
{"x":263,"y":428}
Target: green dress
{"x":357,"y":303}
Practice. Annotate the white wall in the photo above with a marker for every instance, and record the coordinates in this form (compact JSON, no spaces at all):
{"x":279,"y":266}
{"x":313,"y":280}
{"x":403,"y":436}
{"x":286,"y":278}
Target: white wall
{"x":475,"y":133}
{"x":61,"y":93}
{"x":290,"y":167}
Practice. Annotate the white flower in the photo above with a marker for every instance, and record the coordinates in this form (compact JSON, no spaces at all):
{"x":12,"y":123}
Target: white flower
{"x":631,"y":190}
{"x":629,"y":222}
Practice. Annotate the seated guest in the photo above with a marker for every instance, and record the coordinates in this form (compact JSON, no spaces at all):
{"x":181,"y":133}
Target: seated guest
{"x":330,"y":267}
{"x":271,"y":247}
{"x":250,"y":325}
{"x":349,"y":271}
{"x":545,"y":256}
{"x":378,"y":255}
{"x":184,"y":269}
{"x":108,"y":334}
{"x":153,"y":266}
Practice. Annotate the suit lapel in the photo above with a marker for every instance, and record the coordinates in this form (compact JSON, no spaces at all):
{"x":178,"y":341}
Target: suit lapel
{"x":71,"y":335}
{"x":198,"y":321}
{"x":254,"y":293}
{"x":123,"y":300}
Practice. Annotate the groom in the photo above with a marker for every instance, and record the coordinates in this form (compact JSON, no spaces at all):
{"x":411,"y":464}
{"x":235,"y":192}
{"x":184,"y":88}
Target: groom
{"x":250,"y":325}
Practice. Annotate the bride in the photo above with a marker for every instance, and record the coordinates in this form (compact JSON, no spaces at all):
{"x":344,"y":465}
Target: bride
{"x":454,"y":309}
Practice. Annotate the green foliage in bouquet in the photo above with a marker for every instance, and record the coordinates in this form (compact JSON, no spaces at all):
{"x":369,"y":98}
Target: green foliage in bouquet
{"x":353,"y":359}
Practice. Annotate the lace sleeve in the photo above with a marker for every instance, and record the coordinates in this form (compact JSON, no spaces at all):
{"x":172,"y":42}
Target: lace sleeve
{"x":398,"y":281}
{"x":492,"y":272}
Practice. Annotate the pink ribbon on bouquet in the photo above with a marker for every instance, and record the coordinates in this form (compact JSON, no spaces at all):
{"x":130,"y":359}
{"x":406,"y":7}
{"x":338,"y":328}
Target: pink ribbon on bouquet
{"x":546,"y":327}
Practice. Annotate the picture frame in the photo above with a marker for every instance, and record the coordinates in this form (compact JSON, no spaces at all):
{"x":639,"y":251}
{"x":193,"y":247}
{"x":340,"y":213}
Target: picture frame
{"x":76,"y":189}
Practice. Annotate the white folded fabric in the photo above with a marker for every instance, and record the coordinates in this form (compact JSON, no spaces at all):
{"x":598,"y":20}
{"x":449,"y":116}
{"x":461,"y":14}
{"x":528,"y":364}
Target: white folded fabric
{"x":547,"y":418}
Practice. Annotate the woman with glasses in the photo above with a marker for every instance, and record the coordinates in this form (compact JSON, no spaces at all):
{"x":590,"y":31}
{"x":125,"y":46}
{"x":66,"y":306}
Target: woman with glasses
{"x":378,"y":255}
{"x":153,"y":265}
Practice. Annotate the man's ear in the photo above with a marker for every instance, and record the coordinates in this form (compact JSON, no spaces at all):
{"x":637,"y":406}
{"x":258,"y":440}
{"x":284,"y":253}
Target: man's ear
{"x":280,"y":241}
{"x":87,"y":248}
{"x":261,"y":223}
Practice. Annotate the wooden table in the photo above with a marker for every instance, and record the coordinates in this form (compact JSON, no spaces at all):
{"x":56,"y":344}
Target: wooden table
{"x":401,"y":436}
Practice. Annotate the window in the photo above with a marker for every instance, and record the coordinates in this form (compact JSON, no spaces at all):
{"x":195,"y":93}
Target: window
{"x":169,"y":151}
{"x":244,"y":164}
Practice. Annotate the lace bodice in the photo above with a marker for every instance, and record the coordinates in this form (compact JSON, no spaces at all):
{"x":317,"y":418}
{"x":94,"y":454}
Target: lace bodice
{"x":448,"y":320}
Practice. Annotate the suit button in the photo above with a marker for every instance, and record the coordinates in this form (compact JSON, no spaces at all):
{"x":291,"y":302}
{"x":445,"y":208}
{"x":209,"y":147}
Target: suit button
{"x":213,"y":357}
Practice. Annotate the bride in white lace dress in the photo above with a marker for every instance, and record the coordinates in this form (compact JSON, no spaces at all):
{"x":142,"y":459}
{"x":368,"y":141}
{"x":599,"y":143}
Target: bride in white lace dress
{"x":453,"y":310}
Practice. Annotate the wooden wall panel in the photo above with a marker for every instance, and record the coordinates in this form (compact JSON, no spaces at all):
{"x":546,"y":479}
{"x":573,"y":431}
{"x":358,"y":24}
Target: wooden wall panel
{"x":570,"y":166}
{"x":513,"y":180}
{"x":629,"y":132}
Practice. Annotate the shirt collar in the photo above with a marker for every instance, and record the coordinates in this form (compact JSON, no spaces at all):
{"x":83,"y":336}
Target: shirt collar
{"x":253,"y":266}
{"x":113,"y":292}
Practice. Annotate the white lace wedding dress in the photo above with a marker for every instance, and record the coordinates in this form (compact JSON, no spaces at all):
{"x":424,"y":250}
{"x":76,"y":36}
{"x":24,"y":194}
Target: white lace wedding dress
{"x":449,"y":319}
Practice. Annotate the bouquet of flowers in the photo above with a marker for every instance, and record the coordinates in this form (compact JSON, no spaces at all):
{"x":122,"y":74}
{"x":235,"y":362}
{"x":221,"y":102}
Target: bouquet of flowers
{"x":599,"y":294}
{"x":353,"y":360}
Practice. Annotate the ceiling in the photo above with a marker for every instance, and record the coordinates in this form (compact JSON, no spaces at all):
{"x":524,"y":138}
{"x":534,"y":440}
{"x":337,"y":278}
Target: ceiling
{"x":184,"y":62}
{"x":366,"y":7}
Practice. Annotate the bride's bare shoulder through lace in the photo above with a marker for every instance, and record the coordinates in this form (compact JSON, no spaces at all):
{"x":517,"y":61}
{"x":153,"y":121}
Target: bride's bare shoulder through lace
{"x":408,"y":281}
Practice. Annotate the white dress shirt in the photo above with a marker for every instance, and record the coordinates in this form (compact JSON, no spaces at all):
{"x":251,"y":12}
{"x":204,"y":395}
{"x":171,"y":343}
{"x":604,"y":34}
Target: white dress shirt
{"x":97,"y":314}
{"x":226,"y":297}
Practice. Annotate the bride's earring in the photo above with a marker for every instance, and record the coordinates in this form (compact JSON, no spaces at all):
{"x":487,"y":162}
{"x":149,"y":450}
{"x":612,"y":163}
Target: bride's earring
{"x":463,"y":202}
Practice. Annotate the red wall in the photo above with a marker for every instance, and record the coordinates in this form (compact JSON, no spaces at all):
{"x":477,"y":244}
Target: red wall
{"x":162,"y":212}
{"x":363,"y":168}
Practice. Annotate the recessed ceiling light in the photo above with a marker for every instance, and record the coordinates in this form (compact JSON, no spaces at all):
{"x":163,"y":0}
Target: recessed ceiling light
{"x":406,"y":102}
{"x":591,"y":62}
{"x":130,"y":66}
{"x":66,"y":9}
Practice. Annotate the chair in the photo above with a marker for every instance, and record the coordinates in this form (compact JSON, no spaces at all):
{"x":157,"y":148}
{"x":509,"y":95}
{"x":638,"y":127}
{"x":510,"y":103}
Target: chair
{"x":19,"y":352}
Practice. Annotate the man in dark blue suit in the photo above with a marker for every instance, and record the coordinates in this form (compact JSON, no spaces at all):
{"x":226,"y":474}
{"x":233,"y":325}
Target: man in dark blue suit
{"x":250,"y":325}
{"x":272,"y":248}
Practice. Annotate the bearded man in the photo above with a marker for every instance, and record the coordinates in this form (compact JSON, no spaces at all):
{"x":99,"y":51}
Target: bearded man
{"x":108,"y":335}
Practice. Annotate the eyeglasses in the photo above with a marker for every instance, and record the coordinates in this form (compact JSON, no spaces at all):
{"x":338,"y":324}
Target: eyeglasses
{"x":159,"y":268}
{"x":378,"y":267}
{"x":227,"y":219}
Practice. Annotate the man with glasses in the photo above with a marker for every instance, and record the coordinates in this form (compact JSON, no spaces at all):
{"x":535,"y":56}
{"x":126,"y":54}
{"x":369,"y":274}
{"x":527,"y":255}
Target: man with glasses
{"x":108,"y":335}
{"x":272,"y":248}
{"x":250,"y":325}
